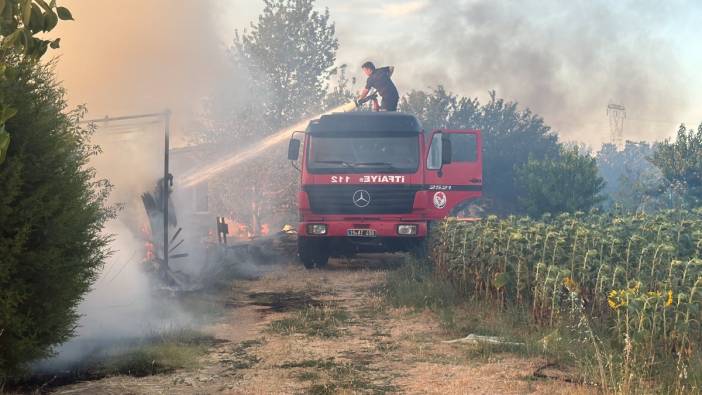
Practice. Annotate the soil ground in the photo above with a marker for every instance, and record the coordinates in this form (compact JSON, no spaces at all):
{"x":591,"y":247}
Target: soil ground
{"x":328,"y":331}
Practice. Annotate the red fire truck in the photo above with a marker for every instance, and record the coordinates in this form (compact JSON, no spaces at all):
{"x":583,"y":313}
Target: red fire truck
{"x":374,"y":182}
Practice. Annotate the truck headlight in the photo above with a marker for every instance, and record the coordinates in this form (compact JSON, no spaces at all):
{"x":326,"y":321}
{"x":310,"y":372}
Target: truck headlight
{"x":316,"y":229}
{"x":407,"y":230}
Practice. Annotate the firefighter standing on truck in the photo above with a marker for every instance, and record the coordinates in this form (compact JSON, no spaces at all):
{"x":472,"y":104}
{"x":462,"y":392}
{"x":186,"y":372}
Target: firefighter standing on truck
{"x":380,"y":80}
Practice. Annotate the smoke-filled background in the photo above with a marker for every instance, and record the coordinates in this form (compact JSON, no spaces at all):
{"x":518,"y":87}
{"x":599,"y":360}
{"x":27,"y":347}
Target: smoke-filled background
{"x":564,"y":61}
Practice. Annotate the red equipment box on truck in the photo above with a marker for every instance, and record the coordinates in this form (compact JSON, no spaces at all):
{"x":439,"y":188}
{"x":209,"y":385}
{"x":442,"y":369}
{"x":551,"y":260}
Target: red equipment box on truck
{"x":374,"y":182}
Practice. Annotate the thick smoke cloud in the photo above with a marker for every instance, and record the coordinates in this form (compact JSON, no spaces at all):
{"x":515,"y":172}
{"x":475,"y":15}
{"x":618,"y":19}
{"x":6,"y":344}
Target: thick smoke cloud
{"x":564,"y":60}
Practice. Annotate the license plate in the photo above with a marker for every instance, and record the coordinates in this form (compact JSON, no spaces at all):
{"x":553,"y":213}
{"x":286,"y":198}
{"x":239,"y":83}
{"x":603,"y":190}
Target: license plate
{"x":361,"y":232}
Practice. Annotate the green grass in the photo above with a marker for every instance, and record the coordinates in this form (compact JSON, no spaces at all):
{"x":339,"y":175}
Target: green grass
{"x":323,"y":321}
{"x":155,"y":354}
{"x":413,"y":285}
{"x":151,"y":359}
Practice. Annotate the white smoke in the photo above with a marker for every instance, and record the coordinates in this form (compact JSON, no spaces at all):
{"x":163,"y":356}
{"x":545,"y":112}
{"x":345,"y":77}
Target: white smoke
{"x":120,"y":306}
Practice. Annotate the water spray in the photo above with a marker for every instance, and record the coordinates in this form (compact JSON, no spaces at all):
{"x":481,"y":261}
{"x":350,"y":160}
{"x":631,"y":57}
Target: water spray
{"x":205,"y":173}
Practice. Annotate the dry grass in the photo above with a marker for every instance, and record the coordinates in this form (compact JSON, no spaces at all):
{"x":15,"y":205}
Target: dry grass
{"x":324,"y":321}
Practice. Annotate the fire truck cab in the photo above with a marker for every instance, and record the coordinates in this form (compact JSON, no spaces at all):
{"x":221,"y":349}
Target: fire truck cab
{"x":375,"y":181}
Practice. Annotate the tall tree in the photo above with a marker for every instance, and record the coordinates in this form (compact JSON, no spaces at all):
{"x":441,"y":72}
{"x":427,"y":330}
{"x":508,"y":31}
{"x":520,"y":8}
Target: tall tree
{"x":680,"y":161}
{"x":284,"y":64}
{"x":510,"y":136}
{"x":289,"y":54}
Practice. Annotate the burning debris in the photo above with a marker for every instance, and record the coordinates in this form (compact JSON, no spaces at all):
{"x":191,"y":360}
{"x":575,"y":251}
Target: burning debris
{"x":159,"y":254}
{"x":235,"y":250}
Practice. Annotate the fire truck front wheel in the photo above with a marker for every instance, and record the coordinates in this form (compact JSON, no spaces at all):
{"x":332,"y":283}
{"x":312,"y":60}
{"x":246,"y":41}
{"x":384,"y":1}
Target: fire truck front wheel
{"x":313,"y":252}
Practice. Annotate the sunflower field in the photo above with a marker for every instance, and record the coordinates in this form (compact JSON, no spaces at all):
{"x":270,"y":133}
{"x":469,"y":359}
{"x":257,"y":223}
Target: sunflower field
{"x":637,"y":275}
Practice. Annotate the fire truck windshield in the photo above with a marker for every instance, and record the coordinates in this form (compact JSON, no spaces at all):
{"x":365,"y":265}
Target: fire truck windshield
{"x":364,"y":153}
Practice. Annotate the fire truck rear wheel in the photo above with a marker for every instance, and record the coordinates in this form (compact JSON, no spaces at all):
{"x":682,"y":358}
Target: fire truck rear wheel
{"x":313,"y":252}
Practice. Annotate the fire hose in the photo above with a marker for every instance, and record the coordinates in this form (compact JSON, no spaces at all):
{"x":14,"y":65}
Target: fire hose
{"x":372,"y":96}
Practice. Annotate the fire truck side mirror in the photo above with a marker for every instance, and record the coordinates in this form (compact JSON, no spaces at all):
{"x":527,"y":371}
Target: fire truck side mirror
{"x":294,"y":149}
{"x":445,"y":149}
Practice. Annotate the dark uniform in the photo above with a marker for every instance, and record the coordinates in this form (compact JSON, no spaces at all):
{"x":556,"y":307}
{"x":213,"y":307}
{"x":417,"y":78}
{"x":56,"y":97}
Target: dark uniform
{"x":380,"y":80}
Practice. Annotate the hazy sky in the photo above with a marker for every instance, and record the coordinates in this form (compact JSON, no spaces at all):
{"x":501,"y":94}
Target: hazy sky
{"x":564,"y":60}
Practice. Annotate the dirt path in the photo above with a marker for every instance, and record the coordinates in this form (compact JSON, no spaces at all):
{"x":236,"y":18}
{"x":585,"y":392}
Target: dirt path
{"x":296,"y":331}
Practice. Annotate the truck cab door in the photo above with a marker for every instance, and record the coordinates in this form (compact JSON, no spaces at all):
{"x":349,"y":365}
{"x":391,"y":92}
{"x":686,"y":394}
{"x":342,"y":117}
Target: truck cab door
{"x":453,"y":179}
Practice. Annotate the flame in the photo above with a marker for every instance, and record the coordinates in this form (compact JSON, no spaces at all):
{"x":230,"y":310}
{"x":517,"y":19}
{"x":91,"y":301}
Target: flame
{"x":149,"y":246}
{"x":237,"y":230}
{"x":209,"y":171}
{"x":146,"y":230}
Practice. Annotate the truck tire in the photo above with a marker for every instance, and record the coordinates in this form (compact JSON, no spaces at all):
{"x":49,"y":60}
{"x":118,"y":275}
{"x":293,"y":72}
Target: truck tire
{"x":313,"y":252}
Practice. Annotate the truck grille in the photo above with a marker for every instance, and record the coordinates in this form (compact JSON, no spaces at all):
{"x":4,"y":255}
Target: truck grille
{"x":383,"y":199}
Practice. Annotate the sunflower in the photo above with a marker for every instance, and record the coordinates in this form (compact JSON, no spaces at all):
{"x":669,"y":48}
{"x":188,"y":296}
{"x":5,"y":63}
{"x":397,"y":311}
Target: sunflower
{"x":612,"y":304}
{"x":570,"y":284}
{"x":616,"y":299}
{"x":635,"y":286}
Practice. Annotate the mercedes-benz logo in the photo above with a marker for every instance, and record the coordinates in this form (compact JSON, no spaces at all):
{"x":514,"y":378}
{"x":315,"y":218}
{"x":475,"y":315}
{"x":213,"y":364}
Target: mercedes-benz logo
{"x":361,"y":198}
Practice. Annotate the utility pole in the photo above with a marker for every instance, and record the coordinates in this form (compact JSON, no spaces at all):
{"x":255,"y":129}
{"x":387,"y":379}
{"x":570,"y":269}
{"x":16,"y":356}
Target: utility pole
{"x":167,"y":182}
{"x":617,"y":115}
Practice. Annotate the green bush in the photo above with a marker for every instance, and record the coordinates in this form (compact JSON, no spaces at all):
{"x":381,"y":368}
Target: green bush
{"x":680,"y":161}
{"x":52,"y":210}
{"x":566,"y":183}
